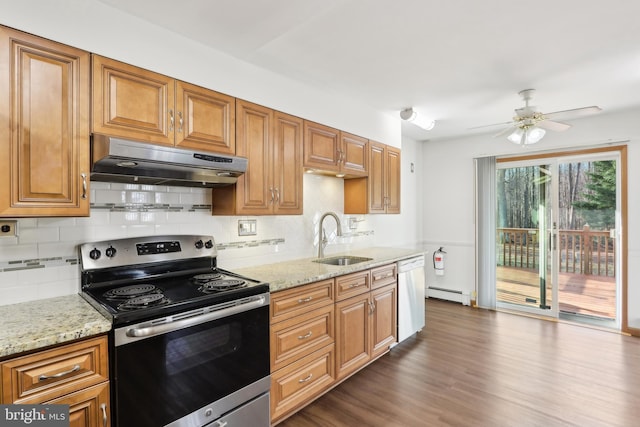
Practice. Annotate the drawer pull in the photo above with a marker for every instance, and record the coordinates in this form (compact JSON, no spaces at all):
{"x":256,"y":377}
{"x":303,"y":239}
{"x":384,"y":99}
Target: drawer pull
{"x":303,"y":300}
{"x":61,"y":374}
{"x":307,"y":378}
{"x":355,"y":285}
{"x":382,"y":277}
{"x":305,"y":336}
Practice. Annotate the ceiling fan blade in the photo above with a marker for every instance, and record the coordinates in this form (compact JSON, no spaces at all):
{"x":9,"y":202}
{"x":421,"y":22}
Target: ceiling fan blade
{"x":487,"y":126}
{"x":572,"y":114}
{"x":553,"y":125}
{"x":505,"y":131}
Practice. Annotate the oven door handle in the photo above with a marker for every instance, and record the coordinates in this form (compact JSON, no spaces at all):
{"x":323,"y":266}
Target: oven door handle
{"x":148,"y":331}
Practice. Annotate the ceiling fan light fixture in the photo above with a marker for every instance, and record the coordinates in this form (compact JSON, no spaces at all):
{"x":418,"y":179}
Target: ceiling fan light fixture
{"x":526,"y":135}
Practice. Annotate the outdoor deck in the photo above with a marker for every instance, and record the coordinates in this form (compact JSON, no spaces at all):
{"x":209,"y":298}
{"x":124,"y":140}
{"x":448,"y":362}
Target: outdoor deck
{"x":577,"y":293}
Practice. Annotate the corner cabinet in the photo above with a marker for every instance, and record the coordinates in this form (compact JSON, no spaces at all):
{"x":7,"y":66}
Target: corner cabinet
{"x":132,"y":102}
{"x":74,"y":374}
{"x":44,"y":131}
{"x":328,"y":150}
{"x":272,"y":184}
{"x":380,"y":191}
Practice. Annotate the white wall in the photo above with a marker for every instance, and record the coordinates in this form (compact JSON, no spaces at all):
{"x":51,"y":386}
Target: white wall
{"x":448,"y":193}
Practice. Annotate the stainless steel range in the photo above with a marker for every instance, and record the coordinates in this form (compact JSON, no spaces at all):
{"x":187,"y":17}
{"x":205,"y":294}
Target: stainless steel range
{"x":190,"y":342}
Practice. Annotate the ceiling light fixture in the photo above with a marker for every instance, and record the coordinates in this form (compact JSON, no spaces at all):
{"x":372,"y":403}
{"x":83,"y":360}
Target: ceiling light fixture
{"x":526,"y":135}
{"x":411,"y":115}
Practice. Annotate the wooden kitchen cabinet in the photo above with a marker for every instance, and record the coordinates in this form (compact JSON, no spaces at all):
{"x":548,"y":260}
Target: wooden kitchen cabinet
{"x":380,"y":191}
{"x":44,"y":131}
{"x":301,"y":345}
{"x":131,"y":102}
{"x":329,"y":150}
{"x":272,"y":184}
{"x":76,"y":374}
{"x":365,"y":323}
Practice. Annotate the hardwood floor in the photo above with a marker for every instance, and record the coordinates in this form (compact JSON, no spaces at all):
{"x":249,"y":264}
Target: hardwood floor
{"x":472,"y":367}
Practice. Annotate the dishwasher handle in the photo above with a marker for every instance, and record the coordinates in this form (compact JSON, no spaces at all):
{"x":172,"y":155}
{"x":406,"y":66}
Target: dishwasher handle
{"x":410,"y":264}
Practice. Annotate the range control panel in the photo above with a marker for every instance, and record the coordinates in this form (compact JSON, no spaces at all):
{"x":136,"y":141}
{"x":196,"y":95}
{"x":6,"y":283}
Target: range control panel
{"x":138,"y":250}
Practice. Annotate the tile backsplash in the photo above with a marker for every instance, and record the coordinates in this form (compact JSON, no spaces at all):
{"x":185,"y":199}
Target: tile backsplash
{"x":42,"y":260}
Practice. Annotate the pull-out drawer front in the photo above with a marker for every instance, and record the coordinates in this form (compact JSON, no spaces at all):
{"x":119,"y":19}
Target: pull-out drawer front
{"x":49,"y":374}
{"x":385,"y":275}
{"x":301,"y":335}
{"x":296,"y":384}
{"x":352,"y":284}
{"x":300,"y":300}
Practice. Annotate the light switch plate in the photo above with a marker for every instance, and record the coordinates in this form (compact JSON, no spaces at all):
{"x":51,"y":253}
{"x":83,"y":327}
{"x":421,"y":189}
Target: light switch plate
{"x":8,"y":228}
{"x":247,"y":227}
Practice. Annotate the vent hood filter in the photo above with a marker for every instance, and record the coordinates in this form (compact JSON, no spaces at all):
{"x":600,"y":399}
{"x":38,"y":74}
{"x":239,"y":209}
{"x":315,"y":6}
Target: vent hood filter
{"x":125,"y":161}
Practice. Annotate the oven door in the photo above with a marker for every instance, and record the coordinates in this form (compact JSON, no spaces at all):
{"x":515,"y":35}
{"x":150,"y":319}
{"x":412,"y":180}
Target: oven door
{"x":192,"y":368}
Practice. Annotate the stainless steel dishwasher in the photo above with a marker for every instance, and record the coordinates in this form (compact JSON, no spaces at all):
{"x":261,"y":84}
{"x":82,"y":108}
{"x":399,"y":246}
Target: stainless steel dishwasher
{"x":411,"y":281}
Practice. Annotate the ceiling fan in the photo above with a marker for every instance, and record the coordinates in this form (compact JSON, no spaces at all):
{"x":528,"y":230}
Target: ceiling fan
{"x":529,"y":126}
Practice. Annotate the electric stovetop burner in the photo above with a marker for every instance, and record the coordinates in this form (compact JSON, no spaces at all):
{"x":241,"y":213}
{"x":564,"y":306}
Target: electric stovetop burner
{"x":207,"y":277}
{"x":128,"y":292}
{"x":221,"y":285}
{"x":143,"y":301}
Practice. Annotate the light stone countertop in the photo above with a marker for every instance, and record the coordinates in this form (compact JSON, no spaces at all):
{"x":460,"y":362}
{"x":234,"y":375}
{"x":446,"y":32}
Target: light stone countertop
{"x":288,"y":274}
{"x":37,"y":324}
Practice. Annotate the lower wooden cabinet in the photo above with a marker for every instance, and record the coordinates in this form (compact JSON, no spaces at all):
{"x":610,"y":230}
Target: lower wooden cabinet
{"x":76,"y":374}
{"x":323,"y":332}
{"x":300,"y":382}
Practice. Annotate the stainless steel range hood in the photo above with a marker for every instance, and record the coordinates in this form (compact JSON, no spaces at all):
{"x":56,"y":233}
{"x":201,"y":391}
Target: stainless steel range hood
{"x":120,"y":160}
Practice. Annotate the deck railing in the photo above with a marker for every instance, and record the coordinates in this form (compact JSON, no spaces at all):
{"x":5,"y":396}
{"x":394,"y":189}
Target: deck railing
{"x":581,"y":251}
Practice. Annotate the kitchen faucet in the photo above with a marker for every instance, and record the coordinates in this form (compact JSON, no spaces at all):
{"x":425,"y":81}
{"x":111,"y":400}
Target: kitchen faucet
{"x":323,"y":238}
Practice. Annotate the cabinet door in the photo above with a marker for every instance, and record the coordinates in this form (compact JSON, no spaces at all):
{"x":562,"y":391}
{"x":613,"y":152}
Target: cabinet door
{"x":354,"y":155}
{"x":88,"y":407}
{"x":321,"y":147}
{"x":352,"y":334}
{"x":204,"y":119}
{"x":287,"y":164}
{"x":132,"y":102}
{"x":254,"y":193}
{"x":384,"y":319}
{"x":392,"y":180}
{"x":376,"y":182}
{"x":44,"y":132}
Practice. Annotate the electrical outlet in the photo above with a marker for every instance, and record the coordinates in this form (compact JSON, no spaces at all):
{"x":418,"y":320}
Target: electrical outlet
{"x":8,"y":228}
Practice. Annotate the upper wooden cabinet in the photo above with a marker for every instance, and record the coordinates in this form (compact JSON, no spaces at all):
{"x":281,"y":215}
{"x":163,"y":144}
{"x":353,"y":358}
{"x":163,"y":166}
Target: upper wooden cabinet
{"x":272,"y":184}
{"x":329,"y":150}
{"x":132,"y":102}
{"x":380,"y":191}
{"x":44,"y":127}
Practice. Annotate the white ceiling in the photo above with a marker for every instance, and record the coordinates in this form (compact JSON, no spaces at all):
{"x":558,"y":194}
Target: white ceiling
{"x":460,"y":62}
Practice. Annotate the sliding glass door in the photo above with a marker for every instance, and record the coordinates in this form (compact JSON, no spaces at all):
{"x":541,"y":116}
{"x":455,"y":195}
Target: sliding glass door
{"x":557,"y":237}
{"x":525,"y":235}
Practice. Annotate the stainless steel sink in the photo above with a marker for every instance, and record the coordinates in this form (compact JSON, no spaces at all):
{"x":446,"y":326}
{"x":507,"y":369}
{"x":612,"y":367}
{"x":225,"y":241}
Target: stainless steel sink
{"x":342,"y":260}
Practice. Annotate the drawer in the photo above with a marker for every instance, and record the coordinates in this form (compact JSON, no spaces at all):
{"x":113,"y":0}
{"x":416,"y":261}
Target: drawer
{"x":301,"y":335}
{"x":49,"y":374}
{"x":352,"y":284}
{"x":385,"y":275}
{"x":297,"y":384}
{"x":301,"y":299}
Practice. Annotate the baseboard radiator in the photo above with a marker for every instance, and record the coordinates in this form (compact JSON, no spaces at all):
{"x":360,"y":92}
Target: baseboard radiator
{"x":454,"y":295}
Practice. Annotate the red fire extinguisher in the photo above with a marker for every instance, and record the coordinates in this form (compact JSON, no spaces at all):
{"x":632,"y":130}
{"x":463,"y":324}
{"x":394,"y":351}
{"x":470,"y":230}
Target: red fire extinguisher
{"x":438,"y":261}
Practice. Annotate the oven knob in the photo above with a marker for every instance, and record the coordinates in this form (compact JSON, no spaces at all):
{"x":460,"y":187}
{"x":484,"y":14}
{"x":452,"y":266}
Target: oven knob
{"x":199,"y":244}
{"x":208,"y":244}
{"x":110,"y":252}
{"x":94,"y":254}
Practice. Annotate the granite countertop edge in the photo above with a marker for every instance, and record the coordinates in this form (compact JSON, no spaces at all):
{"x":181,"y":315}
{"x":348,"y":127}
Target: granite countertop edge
{"x":288,"y":274}
{"x":34,"y":325}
